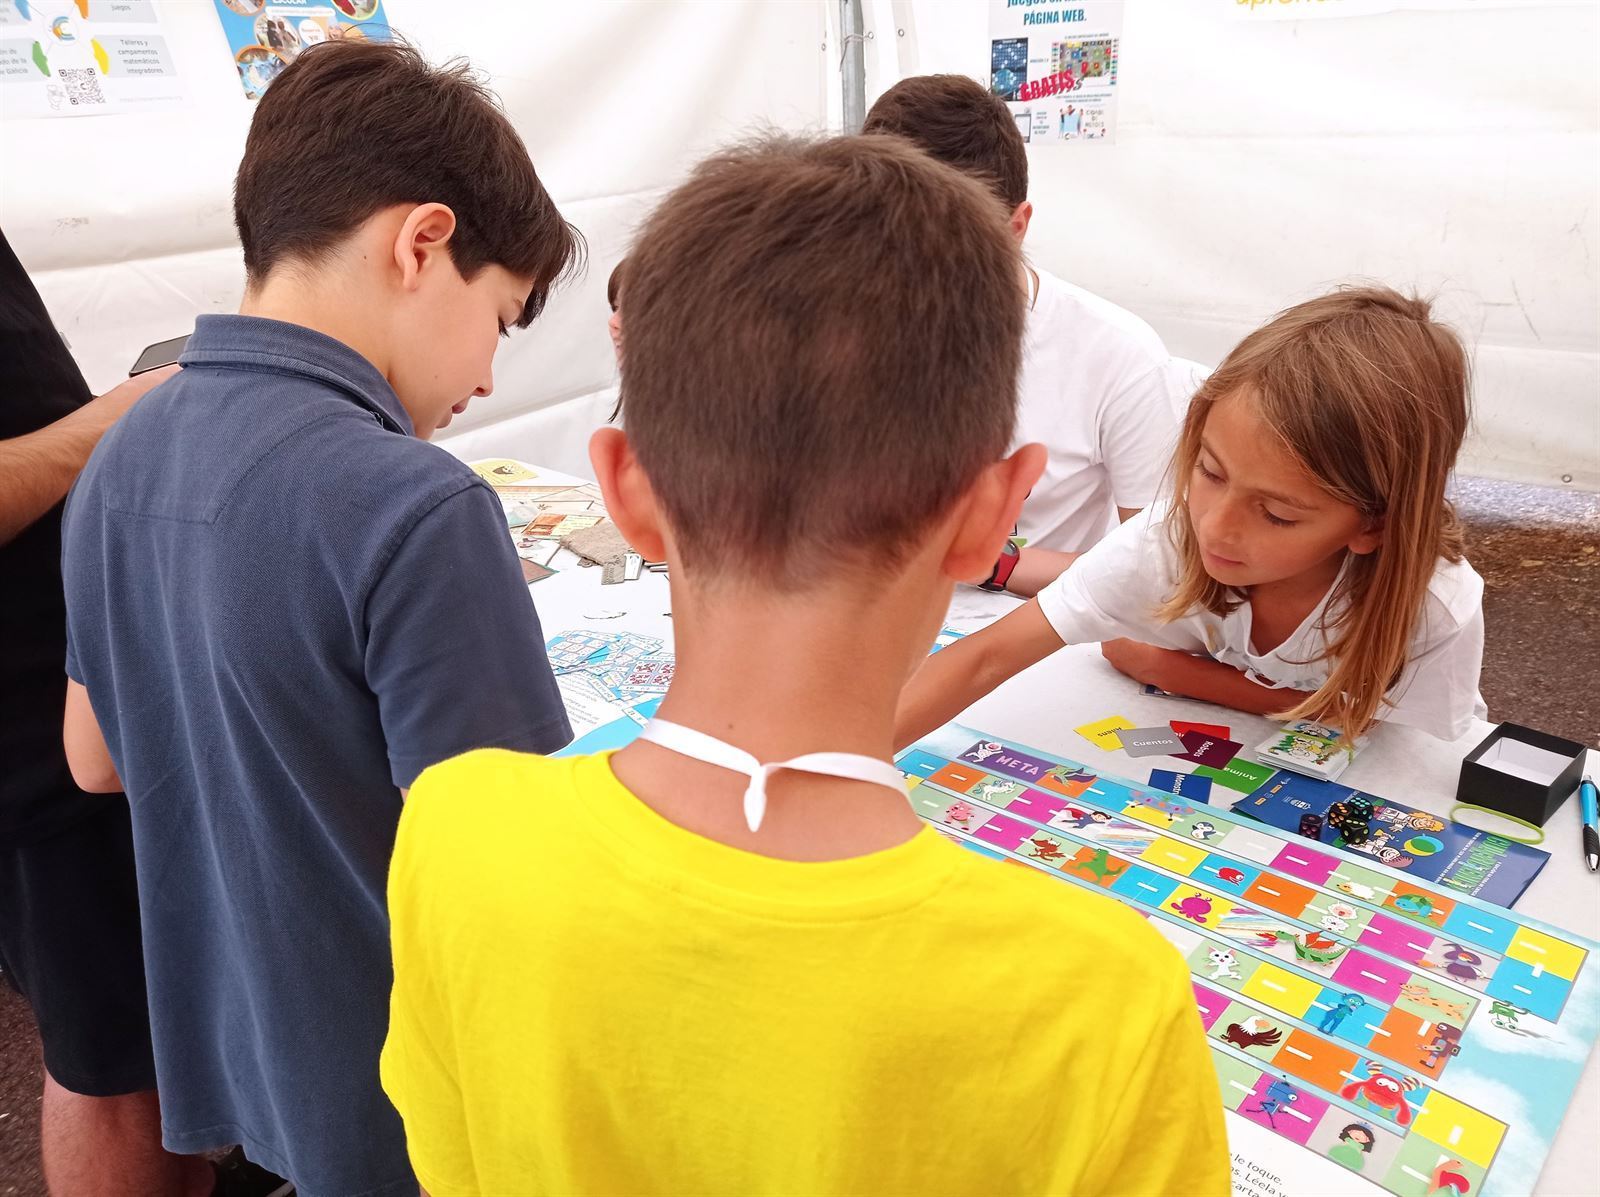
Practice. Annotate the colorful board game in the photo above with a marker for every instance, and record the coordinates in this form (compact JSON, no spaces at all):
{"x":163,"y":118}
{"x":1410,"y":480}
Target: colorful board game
{"x":611,"y":683}
{"x":1386,"y":1035}
{"x":1450,"y":855}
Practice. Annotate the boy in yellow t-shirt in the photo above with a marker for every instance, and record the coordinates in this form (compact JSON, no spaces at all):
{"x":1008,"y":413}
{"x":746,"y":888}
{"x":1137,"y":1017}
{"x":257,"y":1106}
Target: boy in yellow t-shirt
{"x":728,"y":958}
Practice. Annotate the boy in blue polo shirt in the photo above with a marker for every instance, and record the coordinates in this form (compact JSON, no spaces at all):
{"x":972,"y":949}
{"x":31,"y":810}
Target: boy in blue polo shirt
{"x":283,"y":604}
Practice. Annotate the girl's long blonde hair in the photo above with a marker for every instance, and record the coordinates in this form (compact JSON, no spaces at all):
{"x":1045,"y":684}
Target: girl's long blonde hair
{"x":1370,"y":394}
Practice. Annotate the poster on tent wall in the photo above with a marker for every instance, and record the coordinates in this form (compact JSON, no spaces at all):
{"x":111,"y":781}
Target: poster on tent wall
{"x":1055,"y":66}
{"x":264,"y":36}
{"x":84,"y":58}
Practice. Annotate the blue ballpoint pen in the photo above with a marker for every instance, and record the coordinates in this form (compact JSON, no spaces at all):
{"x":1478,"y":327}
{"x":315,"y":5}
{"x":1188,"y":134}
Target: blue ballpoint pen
{"x":1591,"y":837}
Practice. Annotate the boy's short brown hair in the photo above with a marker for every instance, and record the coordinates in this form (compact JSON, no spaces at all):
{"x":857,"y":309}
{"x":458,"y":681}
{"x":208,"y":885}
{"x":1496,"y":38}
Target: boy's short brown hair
{"x":953,"y":118}
{"x":351,"y":128}
{"x":823,"y":345}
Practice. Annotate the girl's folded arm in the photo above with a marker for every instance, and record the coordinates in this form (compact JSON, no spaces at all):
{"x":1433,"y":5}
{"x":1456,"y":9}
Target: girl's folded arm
{"x":1178,"y":672}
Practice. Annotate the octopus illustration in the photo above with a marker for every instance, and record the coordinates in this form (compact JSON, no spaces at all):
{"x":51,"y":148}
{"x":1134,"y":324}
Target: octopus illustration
{"x":1196,"y":908}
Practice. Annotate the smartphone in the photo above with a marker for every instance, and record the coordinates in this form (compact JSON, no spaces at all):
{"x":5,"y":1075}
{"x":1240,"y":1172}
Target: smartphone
{"x":162,"y":353}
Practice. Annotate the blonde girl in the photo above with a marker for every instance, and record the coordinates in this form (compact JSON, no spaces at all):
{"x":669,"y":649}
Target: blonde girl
{"x":1308,"y":565}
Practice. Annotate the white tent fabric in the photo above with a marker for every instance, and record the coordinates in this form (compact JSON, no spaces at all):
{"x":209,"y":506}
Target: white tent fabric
{"x":1453,"y":151}
{"x":1255,"y":165}
{"x":125,"y":222}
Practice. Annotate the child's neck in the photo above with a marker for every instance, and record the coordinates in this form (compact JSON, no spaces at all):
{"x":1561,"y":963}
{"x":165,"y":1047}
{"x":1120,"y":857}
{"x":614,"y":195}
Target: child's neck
{"x":1277,"y":609}
{"x":325,"y":304}
{"x":780,"y":677}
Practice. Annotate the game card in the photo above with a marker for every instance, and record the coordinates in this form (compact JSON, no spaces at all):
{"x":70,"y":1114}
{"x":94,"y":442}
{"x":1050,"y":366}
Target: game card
{"x":1103,"y":733}
{"x":1185,"y":785}
{"x":1218,"y":730}
{"x":1150,"y":741}
{"x":1244,"y":776}
{"x":1208,"y":750}
{"x":502,"y":470}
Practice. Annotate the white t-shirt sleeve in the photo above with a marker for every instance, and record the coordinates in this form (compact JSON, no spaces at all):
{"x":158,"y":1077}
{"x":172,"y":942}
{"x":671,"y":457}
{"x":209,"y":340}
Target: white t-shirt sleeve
{"x":1438,"y":691}
{"x":1114,"y":589}
{"x":1138,"y":430}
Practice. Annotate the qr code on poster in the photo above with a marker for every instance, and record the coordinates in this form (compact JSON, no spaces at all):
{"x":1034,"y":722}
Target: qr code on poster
{"x":82,"y":84}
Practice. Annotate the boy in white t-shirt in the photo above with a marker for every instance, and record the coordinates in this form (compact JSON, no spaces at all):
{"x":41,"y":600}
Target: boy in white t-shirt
{"x":1098,"y":388}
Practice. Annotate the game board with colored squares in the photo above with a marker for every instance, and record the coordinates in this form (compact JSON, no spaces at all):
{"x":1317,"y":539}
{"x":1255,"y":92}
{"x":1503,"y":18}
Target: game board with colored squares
{"x":1424,"y":1040}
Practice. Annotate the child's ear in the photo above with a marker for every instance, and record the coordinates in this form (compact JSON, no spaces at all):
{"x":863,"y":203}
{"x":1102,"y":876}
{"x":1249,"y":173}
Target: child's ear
{"x":1368,"y":539}
{"x":1021,"y":216}
{"x":987,"y":513}
{"x":424,"y":232}
{"x":630,"y":501}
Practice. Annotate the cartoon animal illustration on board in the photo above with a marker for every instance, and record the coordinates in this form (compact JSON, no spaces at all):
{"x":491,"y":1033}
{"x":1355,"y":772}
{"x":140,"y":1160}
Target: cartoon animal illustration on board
{"x":1280,"y":1095}
{"x":996,"y":792}
{"x":1422,"y":995}
{"x":1504,"y":1016}
{"x":1338,"y":917}
{"x":1223,"y":964}
{"x":1446,"y":1042}
{"x":1203,"y":831}
{"x":1384,"y":1093}
{"x":1196,"y":907}
{"x":1046,"y":849}
{"x":1461,"y":963}
{"x":1164,"y":805}
{"x":1447,"y":1179}
{"x":1231,"y":876}
{"x":1313,"y":947}
{"x":1356,"y":890}
{"x":960,"y":814}
{"x":1417,"y":905}
{"x":984,"y":751}
{"x":1070,"y":776}
{"x":1347,"y":1005}
{"x":1099,"y":866}
{"x":1254,"y":1031}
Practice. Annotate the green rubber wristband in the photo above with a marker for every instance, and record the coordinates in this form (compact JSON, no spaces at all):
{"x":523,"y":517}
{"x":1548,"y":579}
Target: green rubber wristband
{"x":1536,"y":838}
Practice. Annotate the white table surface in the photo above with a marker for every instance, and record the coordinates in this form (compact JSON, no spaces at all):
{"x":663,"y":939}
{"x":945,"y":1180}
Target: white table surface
{"x":1075,"y":686}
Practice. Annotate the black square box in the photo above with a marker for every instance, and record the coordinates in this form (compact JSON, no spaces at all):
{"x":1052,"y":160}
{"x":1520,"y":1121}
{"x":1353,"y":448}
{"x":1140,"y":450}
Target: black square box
{"x":1522,"y":796}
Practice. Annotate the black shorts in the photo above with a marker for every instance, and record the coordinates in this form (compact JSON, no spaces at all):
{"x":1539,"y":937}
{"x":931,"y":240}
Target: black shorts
{"x":69,"y":943}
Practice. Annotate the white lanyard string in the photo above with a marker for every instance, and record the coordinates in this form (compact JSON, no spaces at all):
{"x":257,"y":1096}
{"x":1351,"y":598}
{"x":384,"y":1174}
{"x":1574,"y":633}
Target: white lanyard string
{"x":851,"y":766}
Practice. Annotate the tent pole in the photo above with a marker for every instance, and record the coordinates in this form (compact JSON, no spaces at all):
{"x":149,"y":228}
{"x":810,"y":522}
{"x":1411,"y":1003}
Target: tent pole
{"x":852,"y":65}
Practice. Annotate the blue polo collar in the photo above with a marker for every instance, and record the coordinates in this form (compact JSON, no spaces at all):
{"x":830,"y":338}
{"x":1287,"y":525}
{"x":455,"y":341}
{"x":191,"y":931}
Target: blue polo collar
{"x":223,"y":340}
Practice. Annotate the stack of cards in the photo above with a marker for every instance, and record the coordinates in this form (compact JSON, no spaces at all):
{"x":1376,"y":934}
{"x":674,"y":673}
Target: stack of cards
{"x":1309,"y":748}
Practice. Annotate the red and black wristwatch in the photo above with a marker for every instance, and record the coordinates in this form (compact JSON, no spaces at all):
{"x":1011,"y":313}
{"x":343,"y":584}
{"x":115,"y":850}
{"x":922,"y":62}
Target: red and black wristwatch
{"x":1009,"y":556}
